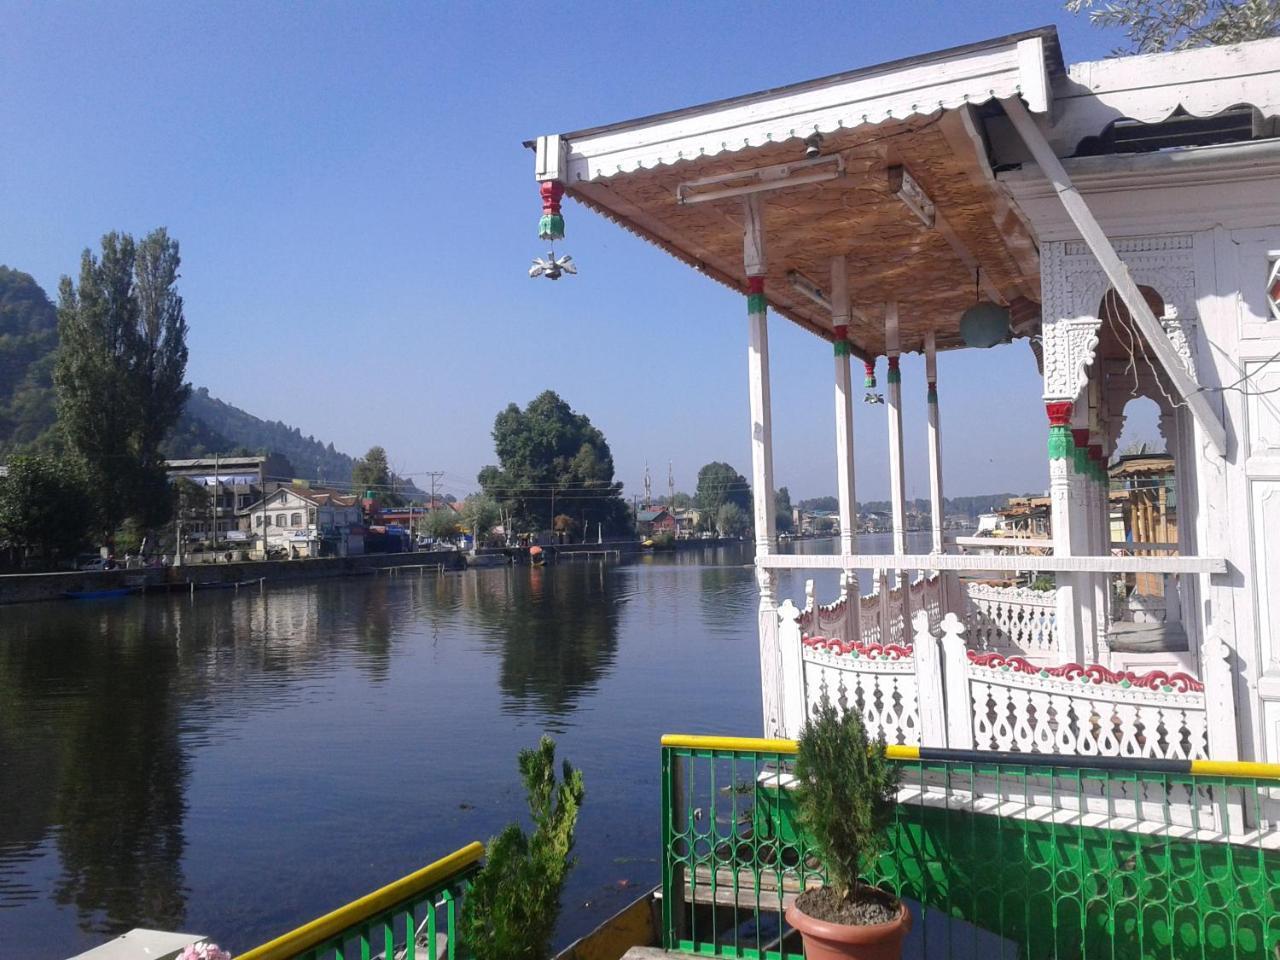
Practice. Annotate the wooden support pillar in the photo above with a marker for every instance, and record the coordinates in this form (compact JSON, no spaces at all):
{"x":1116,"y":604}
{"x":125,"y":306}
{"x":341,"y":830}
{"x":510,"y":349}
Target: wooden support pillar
{"x":771,"y":676}
{"x":845,"y":486}
{"x":935,"y":460}
{"x":1067,"y":625}
{"x":893,"y":392}
{"x":935,"y":442}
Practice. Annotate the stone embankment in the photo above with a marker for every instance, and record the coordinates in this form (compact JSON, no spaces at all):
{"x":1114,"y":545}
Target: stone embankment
{"x":28,"y":587}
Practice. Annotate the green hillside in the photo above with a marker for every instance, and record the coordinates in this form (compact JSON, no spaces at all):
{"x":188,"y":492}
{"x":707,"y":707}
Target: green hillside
{"x":28,"y":416}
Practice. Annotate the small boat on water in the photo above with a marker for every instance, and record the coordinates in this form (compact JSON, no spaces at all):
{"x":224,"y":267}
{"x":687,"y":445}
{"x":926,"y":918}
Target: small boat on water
{"x":99,"y":594}
{"x":537,"y":556}
{"x":486,"y":559}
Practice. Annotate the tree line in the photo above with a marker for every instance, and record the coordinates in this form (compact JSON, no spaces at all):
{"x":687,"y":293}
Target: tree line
{"x":119,"y":382}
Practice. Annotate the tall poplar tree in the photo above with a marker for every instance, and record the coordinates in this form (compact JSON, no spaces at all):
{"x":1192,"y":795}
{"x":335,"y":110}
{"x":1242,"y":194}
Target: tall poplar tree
{"x":120,"y":376}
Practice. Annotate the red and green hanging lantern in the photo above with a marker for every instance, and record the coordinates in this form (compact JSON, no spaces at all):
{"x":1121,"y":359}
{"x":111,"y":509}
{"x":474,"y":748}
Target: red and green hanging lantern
{"x":869,"y":381}
{"x":551,"y":226}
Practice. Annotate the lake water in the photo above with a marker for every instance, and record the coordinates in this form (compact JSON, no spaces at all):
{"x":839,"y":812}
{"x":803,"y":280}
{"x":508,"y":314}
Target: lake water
{"x":235,"y":764}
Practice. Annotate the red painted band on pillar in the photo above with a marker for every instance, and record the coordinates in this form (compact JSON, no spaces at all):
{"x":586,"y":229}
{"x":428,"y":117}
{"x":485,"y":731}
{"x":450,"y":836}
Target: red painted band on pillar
{"x":842,"y":331}
{"x":1059,"y":412}
{"x":1081,"y":437}
{"x":755,"y":284}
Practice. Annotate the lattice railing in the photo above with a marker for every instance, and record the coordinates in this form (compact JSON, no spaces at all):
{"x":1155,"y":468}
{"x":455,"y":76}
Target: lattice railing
{"x":879,"y":682}
{"x":1006,"y":619}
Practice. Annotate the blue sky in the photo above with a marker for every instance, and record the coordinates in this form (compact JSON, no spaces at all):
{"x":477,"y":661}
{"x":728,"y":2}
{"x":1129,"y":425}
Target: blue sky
{"x":357,"y":214}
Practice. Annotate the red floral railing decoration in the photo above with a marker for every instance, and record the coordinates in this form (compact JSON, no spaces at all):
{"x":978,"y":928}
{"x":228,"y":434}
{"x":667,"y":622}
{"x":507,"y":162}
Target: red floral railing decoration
{"x":872,"y":651}
{"x":1093,"y":673}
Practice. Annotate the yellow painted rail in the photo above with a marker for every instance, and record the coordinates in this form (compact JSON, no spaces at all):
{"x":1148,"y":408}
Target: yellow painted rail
{"x":356,"y":912}
{"x":1198,"y":768}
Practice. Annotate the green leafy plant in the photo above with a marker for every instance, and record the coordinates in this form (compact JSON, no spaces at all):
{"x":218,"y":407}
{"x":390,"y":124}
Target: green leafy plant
{"x":513,"y":905}
{"x":845,"y":794}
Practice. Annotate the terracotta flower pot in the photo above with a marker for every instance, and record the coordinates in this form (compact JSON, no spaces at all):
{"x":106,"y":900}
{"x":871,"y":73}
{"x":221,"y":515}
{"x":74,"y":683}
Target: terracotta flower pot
{"x":837,"y":941}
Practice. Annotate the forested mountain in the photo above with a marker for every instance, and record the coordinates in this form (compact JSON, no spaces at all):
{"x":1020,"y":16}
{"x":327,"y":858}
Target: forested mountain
{"x":28,"y":340}
{"x":28,"y":337}
{"x":311,"y":458}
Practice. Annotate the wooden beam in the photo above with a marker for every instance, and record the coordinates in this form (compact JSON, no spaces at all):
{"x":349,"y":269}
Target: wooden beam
{"x":982,"y":562}
{"x":1117,"y":272}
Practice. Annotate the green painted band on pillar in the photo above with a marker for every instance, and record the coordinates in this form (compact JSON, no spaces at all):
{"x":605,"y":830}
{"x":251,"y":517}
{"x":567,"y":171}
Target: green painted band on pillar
{"x":551,"y":227}
{"x":1080,"y":459}
{"x":842,"y":348}
{"x":894,"y":375}
{"x":932,"y":396}
{"x":756,"y":303}
{"x":1060,"y":443}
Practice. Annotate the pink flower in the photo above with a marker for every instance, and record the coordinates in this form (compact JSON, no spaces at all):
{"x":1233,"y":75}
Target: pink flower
{"x":203,"y":951}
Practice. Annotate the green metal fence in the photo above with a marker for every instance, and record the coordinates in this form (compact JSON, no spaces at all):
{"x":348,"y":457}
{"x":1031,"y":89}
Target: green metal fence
{"x":414,"y":918}
{"x":997,"y":855}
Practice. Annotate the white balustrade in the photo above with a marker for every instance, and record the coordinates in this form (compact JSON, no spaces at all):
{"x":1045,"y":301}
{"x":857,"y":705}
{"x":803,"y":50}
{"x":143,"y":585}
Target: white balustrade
{"x":974,"y":699}
{"x":1008,"y":619}
{"x":879,"y":682}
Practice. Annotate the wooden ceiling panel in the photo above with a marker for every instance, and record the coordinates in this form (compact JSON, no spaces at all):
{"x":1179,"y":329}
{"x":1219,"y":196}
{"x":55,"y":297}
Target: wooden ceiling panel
{"x":891,"y":254}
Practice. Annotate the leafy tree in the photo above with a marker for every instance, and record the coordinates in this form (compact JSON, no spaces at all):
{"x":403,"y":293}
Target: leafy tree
{"x":45,"y":507}
{"x":732,"y":520}
{"x":846,"y":789}
{"x":1154,"y":26}
{"x":515,"y":900}
{"x":677,"y":501}
{"x":440,"y":524}
{"x":28,"y":339}
{"x":782,"y":509}
{"x":718,"y":484}
{"x":552,"y":460}
{"x":373,"y":473}
{"x":820,"y":504}
{"x":120,"y":372}
{"x":481,"y":513}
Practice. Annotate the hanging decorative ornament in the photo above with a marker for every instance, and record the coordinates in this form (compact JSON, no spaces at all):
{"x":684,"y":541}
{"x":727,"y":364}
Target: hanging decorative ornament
{"x":985,"y":323}
{"x":552,"y":267}
{"x":551,"y":226}
{"x":551,"y":229}
{"x":870,"y":367}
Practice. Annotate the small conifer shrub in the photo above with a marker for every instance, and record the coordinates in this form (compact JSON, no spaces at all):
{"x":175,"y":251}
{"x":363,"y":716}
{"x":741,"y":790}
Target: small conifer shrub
{"x":511,"y":910}
{"x":845,"y":794}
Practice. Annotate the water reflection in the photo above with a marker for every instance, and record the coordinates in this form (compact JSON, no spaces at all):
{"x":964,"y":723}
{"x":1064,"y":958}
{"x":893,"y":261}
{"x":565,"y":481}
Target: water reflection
{"x":555,"y":629}
{"x":107,"y":770}
{"x":234,"y":762}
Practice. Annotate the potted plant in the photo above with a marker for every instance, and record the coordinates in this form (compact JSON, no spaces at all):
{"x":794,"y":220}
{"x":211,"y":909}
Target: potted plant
{"x":846,"y":789}
{"x":510,"y":912}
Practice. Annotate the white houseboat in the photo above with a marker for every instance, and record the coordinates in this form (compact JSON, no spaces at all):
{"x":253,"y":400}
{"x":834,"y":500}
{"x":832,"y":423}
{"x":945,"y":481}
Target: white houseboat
{"x":1122,"y":217}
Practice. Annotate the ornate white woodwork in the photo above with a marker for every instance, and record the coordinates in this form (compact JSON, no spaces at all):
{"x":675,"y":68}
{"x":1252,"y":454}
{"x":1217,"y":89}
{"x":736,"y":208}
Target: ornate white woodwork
{"x":1073,"y":286}
{"x":832,"y":621}
{"x":938,"y":692}
{"x":1088,"y":711}
{"x":1007,"y":619}
{"x":879,"y":682}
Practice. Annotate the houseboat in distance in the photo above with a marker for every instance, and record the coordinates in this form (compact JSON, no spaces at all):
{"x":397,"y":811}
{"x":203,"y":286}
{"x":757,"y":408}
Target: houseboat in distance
{"x":1120,"y":217}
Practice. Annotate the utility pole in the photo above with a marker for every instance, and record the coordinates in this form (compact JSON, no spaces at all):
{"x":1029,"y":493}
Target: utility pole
{"x":671,"y":486}
{"x":433,"y":475}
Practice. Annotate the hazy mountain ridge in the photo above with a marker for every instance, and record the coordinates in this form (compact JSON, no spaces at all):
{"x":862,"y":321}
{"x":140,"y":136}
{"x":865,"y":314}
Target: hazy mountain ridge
{"x":28,"y":414}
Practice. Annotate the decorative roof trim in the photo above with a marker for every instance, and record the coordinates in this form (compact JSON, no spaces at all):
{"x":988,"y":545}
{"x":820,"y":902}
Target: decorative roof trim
{"x":920,"y":86}
{"x":1152,"y":87}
